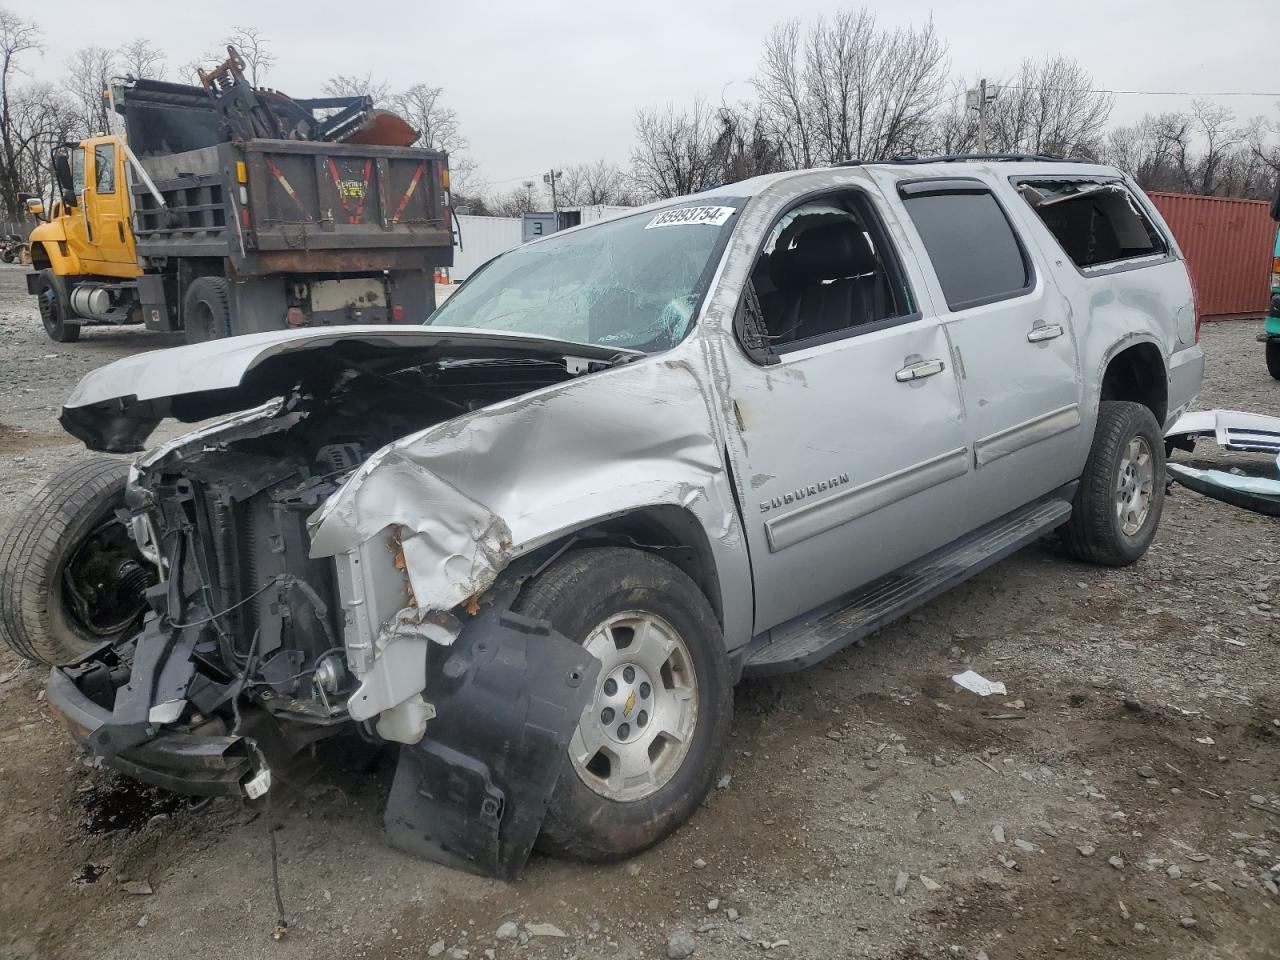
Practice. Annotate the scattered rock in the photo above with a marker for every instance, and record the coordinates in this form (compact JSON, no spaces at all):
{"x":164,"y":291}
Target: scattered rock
{"x":723,"y":783}
{"x":1133,"y":704}
{"x":1086,"y":849}
{"x":544,"y":930}
{"x":1147,"y":773}
{"x":933,"y":886}
{"x":680,"y":945}
{"x":457,"y":953}
{"x":732,"y":914}
{"x":1174,"y":871}
{"x":900,"y":883}
{"x":1116,"y":862}
{"x":1188,"y":922}
{"x":713,"y":905}
{"x":139,"y":888}
{"x":1047,"y":829}
{"x":508,"y":931}
{"x":633,"y":869}
{"x":435,"y":949}
{"x":958,"y":798}
{"x":937,"y":761}
{"x":699,"y":864}
{"x":1026,"y":846}
{"x":143,"y":920}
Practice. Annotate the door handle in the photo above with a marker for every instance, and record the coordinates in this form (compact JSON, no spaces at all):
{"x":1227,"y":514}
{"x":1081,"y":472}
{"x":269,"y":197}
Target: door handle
{"x":919,"y":370}
{"x":1047,"y":331}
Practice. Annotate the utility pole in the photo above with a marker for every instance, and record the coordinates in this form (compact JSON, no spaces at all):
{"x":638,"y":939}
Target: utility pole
{"x":982,"y":115}
{"x":550,"y":180}
{"x":528,"y":194}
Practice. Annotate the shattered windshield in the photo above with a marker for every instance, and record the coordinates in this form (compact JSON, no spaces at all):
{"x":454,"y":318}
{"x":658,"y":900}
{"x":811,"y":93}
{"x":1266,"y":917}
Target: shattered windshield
{"x":634,"y":282}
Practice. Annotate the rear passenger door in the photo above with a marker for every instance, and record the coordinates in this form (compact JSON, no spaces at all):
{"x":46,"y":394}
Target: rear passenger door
{"x":1011,"y":341}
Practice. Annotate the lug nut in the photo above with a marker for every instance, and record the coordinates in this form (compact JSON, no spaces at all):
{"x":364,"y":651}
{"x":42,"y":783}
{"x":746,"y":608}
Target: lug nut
{"x":642,"y":718}
{"x":629,"y":674}
{"x":610,"y":687}
{"x":645,"y":690}
{"x":624,"y":731}
{"x":606,"y":715}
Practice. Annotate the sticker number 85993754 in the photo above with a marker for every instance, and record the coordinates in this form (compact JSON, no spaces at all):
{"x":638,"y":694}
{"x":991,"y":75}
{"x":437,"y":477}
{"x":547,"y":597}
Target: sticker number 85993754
{"x":681,"y":216}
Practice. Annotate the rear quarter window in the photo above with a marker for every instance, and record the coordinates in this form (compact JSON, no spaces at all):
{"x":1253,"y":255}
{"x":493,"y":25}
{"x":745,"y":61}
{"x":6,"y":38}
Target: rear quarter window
{"x":1096,"y":224}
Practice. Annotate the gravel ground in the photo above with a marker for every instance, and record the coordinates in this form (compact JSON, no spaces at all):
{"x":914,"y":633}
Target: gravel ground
{"x":1122,"y":800}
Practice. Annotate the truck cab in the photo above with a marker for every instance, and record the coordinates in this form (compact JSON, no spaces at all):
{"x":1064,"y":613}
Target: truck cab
{"x":83,"y":257}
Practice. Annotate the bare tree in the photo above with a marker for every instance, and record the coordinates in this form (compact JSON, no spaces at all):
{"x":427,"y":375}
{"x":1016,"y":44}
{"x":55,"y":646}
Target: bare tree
{"x":255,"y":50}
{"x":17,"y":36}
{"x":673,"y":153}
{"x":848,"y":89}
{"x":89,"y":71}
{"x":515,"y":203}
{"x":356,"y":86}
{"x":141,"y":59}
{"x":1049,"y":107}
{"x":744,"y":145}
{"x":584,"y":184}
{"x":42,"y":118}
{"x":437,"y":125}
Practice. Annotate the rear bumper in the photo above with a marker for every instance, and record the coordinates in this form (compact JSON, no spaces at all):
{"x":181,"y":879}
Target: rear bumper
{"x":205,"y":766}
{"x":1186,"y":374}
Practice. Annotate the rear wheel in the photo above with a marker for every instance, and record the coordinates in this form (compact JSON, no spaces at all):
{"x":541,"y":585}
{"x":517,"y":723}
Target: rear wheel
{"x":71,"y":577}
{"x":1273,"y":358}
{"x":1121,"y":495}
{"x":647,"y":747}
{"x":206,"y":310}
{"x":55,"y":308}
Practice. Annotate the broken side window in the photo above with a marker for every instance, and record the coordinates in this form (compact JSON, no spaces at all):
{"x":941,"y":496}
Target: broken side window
{"x":1095,"y":223}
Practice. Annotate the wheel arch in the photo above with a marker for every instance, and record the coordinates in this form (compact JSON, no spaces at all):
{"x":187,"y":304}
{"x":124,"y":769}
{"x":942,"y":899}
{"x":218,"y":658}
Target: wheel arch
{"x":1134,"y":369}
{"x":666,"y":530}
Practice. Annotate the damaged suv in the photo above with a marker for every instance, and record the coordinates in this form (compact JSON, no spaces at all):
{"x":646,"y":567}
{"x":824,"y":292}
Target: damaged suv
{"x":536,"y":540}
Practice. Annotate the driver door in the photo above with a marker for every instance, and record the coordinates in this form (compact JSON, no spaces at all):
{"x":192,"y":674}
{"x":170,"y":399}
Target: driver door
{"x":848,"y":438}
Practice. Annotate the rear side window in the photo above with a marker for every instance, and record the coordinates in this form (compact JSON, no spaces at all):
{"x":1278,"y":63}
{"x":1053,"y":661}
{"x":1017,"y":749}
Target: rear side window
{"x":974,"y":250}
{"x":1095,"y":223}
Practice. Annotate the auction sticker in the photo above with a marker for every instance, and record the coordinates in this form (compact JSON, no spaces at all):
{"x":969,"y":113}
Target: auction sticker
{"x":715,"y":216}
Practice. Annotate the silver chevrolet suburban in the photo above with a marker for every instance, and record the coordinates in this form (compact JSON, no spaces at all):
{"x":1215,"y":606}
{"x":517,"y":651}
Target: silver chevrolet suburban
{"x":535,"y":541}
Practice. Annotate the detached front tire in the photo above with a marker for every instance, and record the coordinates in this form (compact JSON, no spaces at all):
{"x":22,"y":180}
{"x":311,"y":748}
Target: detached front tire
{"x":70,"y":576}
{"x":55,"y":308}
{"x":648,"y":746}
{"x":1121,"y":495}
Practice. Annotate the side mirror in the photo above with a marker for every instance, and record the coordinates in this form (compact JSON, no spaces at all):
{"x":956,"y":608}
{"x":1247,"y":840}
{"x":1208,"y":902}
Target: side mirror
{"x":35,"y":207}
{"x":62,"y":174}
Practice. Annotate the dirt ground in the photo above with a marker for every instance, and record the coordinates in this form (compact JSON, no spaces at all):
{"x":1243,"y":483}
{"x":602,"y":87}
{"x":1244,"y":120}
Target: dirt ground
{"x":1122,"y":801}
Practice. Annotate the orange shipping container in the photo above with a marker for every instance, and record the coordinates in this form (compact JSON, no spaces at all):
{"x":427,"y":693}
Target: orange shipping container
{"x":1228,"y":245}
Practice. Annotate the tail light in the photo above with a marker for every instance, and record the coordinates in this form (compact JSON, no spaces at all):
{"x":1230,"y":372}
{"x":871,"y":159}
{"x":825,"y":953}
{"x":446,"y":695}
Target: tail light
{"x":1195,"y":302}
{"x":397,"y":313}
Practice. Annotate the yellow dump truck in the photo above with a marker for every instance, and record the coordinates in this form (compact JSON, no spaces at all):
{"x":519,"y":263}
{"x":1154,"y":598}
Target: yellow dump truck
{"x":226,"y":209}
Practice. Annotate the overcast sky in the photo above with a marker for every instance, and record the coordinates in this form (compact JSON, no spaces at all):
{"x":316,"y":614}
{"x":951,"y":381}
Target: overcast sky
{"x":555,"y":82}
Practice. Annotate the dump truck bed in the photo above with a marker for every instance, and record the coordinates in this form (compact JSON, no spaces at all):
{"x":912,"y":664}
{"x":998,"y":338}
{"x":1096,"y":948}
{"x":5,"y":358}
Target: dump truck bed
{"x":286,"y":205}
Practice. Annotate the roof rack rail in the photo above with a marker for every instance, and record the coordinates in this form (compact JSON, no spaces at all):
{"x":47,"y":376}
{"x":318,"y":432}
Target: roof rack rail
{"x":961,"y":157}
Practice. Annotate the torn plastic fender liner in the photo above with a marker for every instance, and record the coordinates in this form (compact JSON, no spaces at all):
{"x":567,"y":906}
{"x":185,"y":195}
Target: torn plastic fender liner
{"x":508,"y":694}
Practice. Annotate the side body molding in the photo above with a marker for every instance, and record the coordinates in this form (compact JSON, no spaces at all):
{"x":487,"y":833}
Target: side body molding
{"x":816,"y":517}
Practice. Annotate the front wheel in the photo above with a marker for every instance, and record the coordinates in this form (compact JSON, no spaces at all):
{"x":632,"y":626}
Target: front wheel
{"x":1117,"y":506}
{"x":55,"y":308}
{"x":1273,"y":358}
{"x":647,"y":748}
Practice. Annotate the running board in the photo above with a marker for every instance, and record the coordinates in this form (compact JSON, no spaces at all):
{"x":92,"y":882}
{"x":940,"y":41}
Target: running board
{"x":815,"y":636}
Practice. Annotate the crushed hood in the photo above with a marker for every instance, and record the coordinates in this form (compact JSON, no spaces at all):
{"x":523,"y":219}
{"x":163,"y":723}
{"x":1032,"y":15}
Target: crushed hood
{"x":115,"y":408}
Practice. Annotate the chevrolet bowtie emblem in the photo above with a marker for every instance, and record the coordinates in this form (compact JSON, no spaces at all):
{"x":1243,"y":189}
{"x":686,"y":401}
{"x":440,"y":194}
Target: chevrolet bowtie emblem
{"x":631,"y":702}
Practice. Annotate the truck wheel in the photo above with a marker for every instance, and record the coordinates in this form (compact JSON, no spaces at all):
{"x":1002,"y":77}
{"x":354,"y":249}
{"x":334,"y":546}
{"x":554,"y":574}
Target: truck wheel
{"x":55,"y":308}
{"x":646,"y":750}
{"x":1117,"y":506}
{"x":1273,"y":358}
{"x":70,"y":576}
{"x":206,"y":310}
